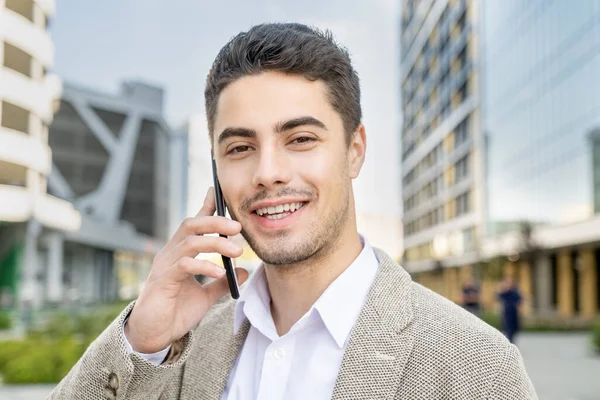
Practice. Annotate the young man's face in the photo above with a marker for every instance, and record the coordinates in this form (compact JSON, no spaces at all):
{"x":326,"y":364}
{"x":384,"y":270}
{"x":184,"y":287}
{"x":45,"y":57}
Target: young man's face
{"x":284,"y":165}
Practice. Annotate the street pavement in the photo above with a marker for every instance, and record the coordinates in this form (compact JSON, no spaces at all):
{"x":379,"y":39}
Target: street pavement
{"x":561,"y":366}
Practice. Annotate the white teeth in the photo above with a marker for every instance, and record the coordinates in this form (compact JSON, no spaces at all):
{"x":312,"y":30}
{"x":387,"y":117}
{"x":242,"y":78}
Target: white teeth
{"x":278,"y":216}
{"x":279,"y":211}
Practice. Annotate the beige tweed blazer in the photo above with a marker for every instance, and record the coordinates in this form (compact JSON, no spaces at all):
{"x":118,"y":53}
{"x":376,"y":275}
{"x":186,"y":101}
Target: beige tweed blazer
{"x":408,"y":343}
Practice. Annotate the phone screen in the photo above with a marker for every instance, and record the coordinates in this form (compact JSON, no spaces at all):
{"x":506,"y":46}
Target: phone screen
{"x":221,"y":208}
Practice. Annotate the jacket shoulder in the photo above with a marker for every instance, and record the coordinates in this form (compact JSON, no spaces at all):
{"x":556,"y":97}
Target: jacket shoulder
{"x":455,"y":353}
{"x":439,"y":321}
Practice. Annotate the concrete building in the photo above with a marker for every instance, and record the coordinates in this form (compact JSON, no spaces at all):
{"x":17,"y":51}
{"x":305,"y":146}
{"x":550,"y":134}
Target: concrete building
{"x":115,"y":158}
{"x":31,"y":220}
{"x":535,"y":155}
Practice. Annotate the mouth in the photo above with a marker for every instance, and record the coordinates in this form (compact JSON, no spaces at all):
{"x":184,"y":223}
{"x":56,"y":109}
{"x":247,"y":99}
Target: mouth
{"x":279,"y":211}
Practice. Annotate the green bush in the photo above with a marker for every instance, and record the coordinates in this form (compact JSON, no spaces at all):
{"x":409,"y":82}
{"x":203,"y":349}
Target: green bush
{"x":9,"y":350}
{"x":596,"y":335}
{"x":50,"y":351}
{"x":39,"y":361}
{"x":5,"y":320}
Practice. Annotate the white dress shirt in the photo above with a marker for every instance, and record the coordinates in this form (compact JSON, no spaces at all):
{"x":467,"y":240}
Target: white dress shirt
{"x":303,"y":363}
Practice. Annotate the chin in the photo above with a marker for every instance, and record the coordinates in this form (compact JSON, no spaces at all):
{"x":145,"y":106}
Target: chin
{"x":280,"y":248}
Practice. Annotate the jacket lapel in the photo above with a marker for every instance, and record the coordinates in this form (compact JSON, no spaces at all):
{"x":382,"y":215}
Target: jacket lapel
{"x":378,"y":348}
{"x":215,"y":350}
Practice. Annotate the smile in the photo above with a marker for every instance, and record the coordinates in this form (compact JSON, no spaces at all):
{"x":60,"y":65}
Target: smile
{"x":279,"y":211}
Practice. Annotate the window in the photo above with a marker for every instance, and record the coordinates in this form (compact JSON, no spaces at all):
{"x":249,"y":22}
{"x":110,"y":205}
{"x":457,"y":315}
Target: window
{"x":17,"y":60}
{"x":461,"y":132}
{"x":22,"y":7}
{"x":463,"y":205}
{"x":462,"y":168}
{"x":463,"y":92}
{"x":463,"y":57}
{"x":15,"y":117}
{"x":462,"y":20}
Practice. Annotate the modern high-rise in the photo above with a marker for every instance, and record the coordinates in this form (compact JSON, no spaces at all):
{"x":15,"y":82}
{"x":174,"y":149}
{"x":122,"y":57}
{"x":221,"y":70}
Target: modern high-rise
{"x":515,"y":165}
{"x":441,"y":144}
{"x":540,"y":69}
{"x":30,"y":219}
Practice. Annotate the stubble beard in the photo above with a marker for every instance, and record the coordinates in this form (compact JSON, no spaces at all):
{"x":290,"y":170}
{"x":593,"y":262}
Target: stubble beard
{"x":314,"y":243}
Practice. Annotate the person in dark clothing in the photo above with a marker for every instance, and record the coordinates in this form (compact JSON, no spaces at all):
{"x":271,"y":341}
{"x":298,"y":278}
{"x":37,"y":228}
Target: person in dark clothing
{"x":511,"y":299}
{"x":470,"y":296}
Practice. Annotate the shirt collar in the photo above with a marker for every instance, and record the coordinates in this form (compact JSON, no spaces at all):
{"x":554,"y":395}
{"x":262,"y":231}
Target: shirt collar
{"x":350,"y":289}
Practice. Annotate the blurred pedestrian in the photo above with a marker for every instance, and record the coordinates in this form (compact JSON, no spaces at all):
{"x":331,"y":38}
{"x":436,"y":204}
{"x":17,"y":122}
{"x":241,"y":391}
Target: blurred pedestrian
{"x":470,"y":296}
{"x":511,"y":299}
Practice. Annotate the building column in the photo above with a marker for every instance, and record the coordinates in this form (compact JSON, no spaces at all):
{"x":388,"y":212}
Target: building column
{"x":543,"y":284}
{"x":588,"y":291}
{"x":566,"y":303}
{"x":29,"y":296}
{"x":526,"y":287}
{"x":54,"y":276}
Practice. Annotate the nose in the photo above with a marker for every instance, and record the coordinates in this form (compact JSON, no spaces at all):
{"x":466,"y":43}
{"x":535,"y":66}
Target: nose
{"x":273,"y":169}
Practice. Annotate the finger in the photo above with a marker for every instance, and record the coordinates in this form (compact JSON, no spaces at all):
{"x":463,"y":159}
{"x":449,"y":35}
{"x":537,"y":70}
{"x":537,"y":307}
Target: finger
{"x":193,"y":245}
{"x":188,"y":266}
{"x":209,"y":206}
{"x":219,"y":287}
{"x":203,"y":226}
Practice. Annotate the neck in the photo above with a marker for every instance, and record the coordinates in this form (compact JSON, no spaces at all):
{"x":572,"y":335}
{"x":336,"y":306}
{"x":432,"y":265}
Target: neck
{"x":295,"y":289}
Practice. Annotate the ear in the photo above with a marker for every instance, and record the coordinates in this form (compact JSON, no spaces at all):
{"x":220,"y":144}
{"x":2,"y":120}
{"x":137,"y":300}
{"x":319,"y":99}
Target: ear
{"x":357,"y":151}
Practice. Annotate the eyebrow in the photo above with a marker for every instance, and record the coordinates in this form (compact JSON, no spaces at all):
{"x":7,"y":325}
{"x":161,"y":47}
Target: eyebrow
{"x":296,"y":122}
{"x":279,"y":127}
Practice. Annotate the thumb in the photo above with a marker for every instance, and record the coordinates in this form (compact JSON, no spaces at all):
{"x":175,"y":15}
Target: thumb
{"x":220,"y":287}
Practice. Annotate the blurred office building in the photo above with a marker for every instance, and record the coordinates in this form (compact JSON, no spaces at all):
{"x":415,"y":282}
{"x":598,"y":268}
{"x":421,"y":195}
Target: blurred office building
{"x":32,"y":221}
{"x":442,"y":183}
{"x":535,"y":158}
{"x":123,"y":167}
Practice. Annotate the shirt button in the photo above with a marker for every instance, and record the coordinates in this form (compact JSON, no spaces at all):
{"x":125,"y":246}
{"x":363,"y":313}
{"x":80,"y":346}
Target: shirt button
{"x":278,"y":354}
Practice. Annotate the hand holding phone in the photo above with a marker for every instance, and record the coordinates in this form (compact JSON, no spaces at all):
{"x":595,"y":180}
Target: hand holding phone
{"x":172,"y":302}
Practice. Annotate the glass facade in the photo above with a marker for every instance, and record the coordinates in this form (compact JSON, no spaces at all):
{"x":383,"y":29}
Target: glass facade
{"x":541,"y":107}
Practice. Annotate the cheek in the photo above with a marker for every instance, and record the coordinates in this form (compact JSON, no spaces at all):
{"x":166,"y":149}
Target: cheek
{"x":326,"y":174}
{"x":234,"y":185}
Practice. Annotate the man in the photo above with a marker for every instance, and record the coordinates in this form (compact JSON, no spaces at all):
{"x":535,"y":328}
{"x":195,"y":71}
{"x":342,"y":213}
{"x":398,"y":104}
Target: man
{"x":470,"y":296}
{"x":511,"y":299}
{"x":326,"y":315}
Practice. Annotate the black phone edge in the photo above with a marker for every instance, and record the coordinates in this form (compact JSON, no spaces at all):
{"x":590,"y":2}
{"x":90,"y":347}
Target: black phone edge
{"x":220,"y":202}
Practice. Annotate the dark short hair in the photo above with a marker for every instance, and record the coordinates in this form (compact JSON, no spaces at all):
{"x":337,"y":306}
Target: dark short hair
{"x":290,"y":48}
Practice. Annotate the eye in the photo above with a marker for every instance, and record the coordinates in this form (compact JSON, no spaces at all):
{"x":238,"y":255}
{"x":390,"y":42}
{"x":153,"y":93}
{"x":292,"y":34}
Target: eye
{"x":239,"y":149}
{"x":303,"y":140}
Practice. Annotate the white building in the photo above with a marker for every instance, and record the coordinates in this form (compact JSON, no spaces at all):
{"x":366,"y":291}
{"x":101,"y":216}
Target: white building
{"x":28,"y":94}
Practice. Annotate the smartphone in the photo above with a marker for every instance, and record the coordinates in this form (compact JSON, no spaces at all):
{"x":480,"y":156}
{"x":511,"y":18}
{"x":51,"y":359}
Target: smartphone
{"x":221,"y":207}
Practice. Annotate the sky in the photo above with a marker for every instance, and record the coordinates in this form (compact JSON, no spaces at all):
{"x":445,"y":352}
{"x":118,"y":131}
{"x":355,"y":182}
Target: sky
{"x":173,"y":43}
